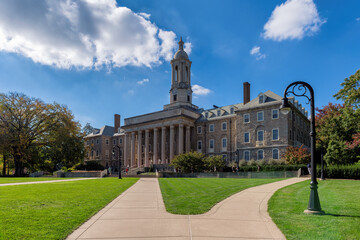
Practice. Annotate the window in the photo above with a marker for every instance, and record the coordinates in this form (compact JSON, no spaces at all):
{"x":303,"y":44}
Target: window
{"x":120,"y":140}
{"x":275,"y":134}
{"x":188,"y":98}
{"x":260,"y":154}
{"x":97,"y":153}
{"x":261,"y":99}
{"x":107,"y":141}
{"x":211,"y":144}
{"x":247,"y":137}
{"x":142,"y":148}
{"x":114,"y":141}
{"x":97,"y":141}
{"x":175,"y":97}
{"x":206,"y":115}
{"x":224,"y":142}
{"x":211,"y":128}
{"x":107,"y":154}
{"x":246,"y":155}
{"x":224,"y":126}
{"x":260,"y":116}
{"x":246,"y":118}
{"x":176,"y":74}
{"x":199,"y":129}
{"x":199,"y":145}
{"x":275,"y":114}
{"x":218,"y":112}
{"x":232,"y":110}
{"x":275,"y":153}
{"x":92,"y":141}
{"x":260,"y":135}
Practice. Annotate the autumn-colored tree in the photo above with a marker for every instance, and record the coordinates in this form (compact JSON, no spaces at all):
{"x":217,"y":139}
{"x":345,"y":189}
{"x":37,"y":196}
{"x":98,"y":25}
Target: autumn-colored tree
{"x":297,"y":155}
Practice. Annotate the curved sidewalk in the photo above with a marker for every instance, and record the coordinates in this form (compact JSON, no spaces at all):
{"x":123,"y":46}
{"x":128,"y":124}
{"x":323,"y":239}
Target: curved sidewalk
{"x":48,"y":181}
{"x":139,"y":213}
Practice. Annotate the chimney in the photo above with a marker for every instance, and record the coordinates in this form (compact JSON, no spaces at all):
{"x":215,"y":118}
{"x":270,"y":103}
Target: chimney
{"x":116,"y":123}
{"x":246,"y":92}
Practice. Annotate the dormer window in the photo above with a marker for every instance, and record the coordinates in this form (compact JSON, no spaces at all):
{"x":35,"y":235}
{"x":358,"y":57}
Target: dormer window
{"x":261,"y":99}
{"x":218,"y":112}
{"x":206,"y":115}
{"x":232,"y":110}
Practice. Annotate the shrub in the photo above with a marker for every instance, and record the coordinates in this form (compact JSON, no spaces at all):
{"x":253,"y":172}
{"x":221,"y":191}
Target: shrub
{"x":189,"y":162}
{"x":214,"y":163}
{"x":90,"y":166}
{"x":242,"y":163}
{"x":252,"y":162}
{"x":340,"y":171}
{"x":297,"y":155}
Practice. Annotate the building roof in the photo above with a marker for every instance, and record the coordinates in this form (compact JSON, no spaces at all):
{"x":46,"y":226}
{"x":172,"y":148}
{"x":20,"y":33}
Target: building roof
{"x":104,"y":131}
{"x":181,"y":53}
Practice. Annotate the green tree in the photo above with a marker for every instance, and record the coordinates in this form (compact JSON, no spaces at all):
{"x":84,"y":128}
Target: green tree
{"x":214,"y":163}
{"x":189,"y":162}
{"x":350,"y":93}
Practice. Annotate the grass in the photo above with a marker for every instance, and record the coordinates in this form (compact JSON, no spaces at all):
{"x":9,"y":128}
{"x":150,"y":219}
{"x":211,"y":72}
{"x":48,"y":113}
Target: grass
{"x":27,"y":179}
{"x":339,"y":199}
{"x":54,"y":210}
{"x":199,"y":195}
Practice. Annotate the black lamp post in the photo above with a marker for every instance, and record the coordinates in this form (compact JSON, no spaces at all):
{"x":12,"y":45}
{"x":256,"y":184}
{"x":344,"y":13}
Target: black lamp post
{"x":119,"y":158}
{"x":300,"y":89}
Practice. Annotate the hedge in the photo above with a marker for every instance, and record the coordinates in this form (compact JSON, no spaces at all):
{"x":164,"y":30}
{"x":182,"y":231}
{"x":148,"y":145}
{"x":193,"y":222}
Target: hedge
{"x":269,"y":168}
{"x":341,"y":171}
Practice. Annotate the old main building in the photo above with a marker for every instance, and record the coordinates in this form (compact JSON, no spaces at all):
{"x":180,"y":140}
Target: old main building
{"x":250,"y":130}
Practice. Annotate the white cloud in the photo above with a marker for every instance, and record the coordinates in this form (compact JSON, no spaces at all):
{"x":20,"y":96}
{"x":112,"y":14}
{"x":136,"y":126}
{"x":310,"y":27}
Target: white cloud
{"x":187,"y":47}
{"x":145,"y":80}
{"x":255,"y":51}
{"x":293,"y":19}
{"x":82,"y":34}
{"x":199,"y":90}
{"x":358,"y":19}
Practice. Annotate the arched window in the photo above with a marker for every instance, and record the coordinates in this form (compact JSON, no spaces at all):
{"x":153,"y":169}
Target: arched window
{"x":186,"y":74}
{"x":176,"y":74}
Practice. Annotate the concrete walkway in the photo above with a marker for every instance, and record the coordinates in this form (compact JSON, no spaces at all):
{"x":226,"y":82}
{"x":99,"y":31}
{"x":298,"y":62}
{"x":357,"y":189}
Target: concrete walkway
{"x":139,"y":213}
{"x":50,"y":181}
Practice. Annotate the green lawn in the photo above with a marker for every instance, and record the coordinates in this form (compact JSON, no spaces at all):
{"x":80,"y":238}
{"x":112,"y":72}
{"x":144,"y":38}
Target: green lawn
{"x":54,"y":210}
{"x":27,"y":179}
{"x":199,"y":195}
{"x":339,"y":199}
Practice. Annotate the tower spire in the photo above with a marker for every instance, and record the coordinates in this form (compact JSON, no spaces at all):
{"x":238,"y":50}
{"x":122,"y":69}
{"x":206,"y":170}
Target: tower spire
{"x":181,"y":44}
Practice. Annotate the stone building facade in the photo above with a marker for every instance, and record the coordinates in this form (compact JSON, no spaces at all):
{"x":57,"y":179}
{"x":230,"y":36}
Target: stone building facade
{"x":254,"y":129}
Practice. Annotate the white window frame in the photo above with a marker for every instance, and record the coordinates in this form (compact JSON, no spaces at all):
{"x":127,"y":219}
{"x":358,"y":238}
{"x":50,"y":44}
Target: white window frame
{"x":245,"y":138}
{"x":257,"y":135}
{"x":257,"y":114}
{"x":206,"y":115}
{"x":222,"y":144}
{"x":97,"y":141}
{"x":211,"y":149}
{"x":263,"y":154}
{"x":272,"y":113}
{"x":246,"y":114}
{"x":218,"y":113}
{"x":247,"y":151}
{"x":222,"y":126}
{"x":120,"y":141}
{"x":232,"y":110}
{"x":213,"y":127}
{"x":275,"y":149}
{"x":197,"y":129}
{"x":114,"y":141}
{"x":278,"y":133}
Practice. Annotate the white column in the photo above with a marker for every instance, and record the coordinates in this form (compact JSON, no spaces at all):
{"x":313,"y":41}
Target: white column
{"x":155,"y":160}
{"x":171,"y":142}
{"x":139,"y":148}
{"x":126,"y":160}
{"x":146,"y":148}
{"x":163,"y":135}
{"x":181,"y":138}
{"x":132,"y":164}
{"x":187,"y":139}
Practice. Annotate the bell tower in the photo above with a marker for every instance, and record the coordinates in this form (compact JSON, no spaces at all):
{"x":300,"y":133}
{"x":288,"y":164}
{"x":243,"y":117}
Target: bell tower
{"x":180,"y":91}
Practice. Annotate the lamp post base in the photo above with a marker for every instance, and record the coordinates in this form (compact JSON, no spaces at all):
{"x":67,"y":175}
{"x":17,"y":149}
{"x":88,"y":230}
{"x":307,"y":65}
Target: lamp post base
{"x":307,"y":211}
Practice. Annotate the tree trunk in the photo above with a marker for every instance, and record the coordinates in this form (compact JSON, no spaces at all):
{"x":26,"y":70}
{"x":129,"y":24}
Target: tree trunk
{"x":4,"y":165}
{"x":18,"y":167}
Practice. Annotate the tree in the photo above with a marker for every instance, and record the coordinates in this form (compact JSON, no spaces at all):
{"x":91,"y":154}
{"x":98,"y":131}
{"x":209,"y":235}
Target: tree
{"x":214,"y":163}
{"x":87,"y":129}
{"x":33,"y":129}
{"x":189,"y":162}
{"x":350,"y":93}
{"x":297,"y":155}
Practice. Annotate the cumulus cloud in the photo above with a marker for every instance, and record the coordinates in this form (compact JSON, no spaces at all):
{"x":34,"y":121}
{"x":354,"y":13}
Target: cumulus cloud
{"x":293,"y":19}
{"x":187,"y":47}
{"x":145,"y":80}
{"x":199,"y":90}
{"x":83,"y":34}
{"x":255,"y":51}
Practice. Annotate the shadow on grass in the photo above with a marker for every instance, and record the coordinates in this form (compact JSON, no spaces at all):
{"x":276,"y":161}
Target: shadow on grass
{"x":341,"y":215}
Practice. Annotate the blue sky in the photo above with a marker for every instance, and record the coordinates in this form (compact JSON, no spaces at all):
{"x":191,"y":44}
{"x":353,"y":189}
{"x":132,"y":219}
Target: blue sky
{"x":103,"y":57}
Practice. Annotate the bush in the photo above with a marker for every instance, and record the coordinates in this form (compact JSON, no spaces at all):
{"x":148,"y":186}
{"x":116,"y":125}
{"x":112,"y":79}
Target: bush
{"x":297,"y":155}
{"x":242,"y":163}
{"x":214,"y":163}
{"x":189,"y":162}
{"x":340,"y":171}
{"x":271,"y":168}
{"x":90,"y":166}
